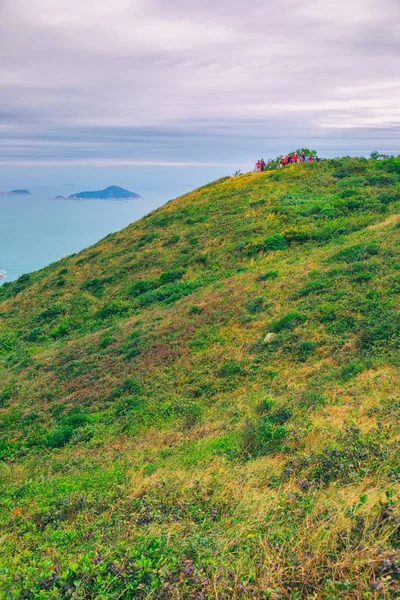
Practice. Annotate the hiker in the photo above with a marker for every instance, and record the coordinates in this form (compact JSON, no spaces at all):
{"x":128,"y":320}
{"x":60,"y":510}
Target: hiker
{"x":296,"y":158}
{"x":262,"y":163}
{"x":289,"y":159}
{"x":311,"y":159}
{"x":258,"y":166}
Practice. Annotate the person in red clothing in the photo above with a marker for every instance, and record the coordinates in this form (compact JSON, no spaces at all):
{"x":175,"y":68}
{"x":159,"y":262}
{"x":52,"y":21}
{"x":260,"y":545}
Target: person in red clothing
{"x":258,"y":166}
{"x":311,"y":159}
{"x":296,"y":158}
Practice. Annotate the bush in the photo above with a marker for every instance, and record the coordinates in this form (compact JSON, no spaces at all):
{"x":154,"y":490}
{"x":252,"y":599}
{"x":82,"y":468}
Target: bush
{"x":289,"y":321}
{"x":275,"y":242}
{"x":351,"y":370}
{"x":58,"y":437}
{"x":52,"y":312}
{"x":267,"y":275}
{"x":171,"y":241}
{"x":110,"y":309}
{"x":255,"y":306}
{"x":34,"y":335}
{"x":232,"y":369}
{"x":261,"y":436}
{"x":94,"y":286}
{"x":356,"y":253}
{"x":171,"y":276}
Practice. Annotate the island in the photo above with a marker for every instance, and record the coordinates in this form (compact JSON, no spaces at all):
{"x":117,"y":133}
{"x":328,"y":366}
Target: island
{"x":16,"y":193}
{"x":111,"y":193}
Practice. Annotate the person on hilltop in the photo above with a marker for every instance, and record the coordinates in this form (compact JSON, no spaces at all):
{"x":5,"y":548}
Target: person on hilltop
{"x":296,"y":158}
{"x":258,"y":166}
{"x":311,"y":159}
{"x":262,"y":163}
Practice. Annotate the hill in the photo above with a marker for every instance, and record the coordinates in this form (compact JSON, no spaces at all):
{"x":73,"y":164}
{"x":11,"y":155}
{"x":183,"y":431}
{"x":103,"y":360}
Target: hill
{"x":205,"y":404}
{"x":111,"y":193}
{"x":19,"y":193}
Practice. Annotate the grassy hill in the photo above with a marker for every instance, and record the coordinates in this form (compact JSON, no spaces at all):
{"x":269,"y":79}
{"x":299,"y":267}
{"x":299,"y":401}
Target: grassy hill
{"x":205,"y":404}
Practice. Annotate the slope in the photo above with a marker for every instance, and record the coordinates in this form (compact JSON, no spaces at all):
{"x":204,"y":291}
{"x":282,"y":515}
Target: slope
{"x":205,"y":403}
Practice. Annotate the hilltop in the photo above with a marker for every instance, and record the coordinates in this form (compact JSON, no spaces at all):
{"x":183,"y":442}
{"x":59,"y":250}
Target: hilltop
{"x":111,"y":193}
{"x":205,"y":404}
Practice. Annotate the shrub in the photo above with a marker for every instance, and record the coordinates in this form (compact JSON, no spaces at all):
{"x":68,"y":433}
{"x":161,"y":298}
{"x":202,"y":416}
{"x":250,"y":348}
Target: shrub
{"x":265,"y":406}
{"x":255,"y":306}
{"x":52,"y":312}
{"x":275,"y":242}
{"x":110,"y":309}
{"x":171,"y":241}
{"x":267,"y":275}
{"x":351,"y":370}
{"x":295,"y":234}
{"x":94,"y":286}
{"x":141,"y":287}
{"x":58,"y":437}
{"x":171,"y":276}
{"x":356,"y":253}
{"x":261,"y":436}
{"x":6,"y":394}
{"x":129,"y":387}
{"x":231,"y":369}
{"x":146,"y":239}
{"x":61,"y":330}
{"x":289,"y":321}
{"x":34,"y":335}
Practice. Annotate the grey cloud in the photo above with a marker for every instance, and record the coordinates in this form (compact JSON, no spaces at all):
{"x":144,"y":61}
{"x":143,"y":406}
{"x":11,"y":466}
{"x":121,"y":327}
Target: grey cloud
{"x":194,"y":80}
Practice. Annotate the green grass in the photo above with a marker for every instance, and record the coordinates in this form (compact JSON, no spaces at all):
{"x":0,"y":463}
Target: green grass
{"x":155,"y":442}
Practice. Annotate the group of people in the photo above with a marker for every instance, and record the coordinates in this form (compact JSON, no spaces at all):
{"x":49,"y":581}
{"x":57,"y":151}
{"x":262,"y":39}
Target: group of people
{"x":289,"y":159}
{"x":260,"y":165}
{"x":295,"y":158}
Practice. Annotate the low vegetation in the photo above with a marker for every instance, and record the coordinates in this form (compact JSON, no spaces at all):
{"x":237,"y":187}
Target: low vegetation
{"x":205,"y":404}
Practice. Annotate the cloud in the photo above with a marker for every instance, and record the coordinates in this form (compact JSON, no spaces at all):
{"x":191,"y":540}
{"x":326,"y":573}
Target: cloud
{"x":136,"y":80}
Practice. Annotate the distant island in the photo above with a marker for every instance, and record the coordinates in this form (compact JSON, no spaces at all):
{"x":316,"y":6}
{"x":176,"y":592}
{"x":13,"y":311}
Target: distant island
{"x":111,"y":193}
{"x":16,"y":193}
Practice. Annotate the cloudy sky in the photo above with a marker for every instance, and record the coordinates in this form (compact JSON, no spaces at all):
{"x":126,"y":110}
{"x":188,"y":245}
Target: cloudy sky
{"x":125,"y":82}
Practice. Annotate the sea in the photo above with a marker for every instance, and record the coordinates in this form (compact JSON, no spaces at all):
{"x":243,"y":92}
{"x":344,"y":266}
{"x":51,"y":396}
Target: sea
{"x":37,"y":230}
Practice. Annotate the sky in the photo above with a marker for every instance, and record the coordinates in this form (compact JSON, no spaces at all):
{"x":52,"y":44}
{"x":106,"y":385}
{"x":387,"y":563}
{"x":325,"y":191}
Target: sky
{"x":143,"y":83}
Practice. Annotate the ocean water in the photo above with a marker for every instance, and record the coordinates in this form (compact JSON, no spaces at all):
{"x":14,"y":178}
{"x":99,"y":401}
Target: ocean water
{"x":38,"y":230}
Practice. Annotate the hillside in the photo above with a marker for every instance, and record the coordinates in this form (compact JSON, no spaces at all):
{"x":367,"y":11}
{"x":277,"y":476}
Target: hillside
{"x":205,"y":404}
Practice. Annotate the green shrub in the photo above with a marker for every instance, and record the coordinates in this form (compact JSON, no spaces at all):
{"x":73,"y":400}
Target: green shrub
{"x":351,"y":370}
{"x":267,"y":275}
{"x":171,"y":241}
{"x":52,"y":312}
{"x":111,"y":309}
{"x":356,"y":253}
{"x":232,"y":368}
{"x":36,"y":334}
{"x":261,"y":436}
{"x":129,"y":387}
{"x":6,"y":394}
{"x":95,"y":286}
{"x":171,"y":276}
{"x":275,"y":242}
{"x":265,"y":405}
{"x":289,"y":321}
{"x":58,"y":437}
{"x":255,"y":306}
{"x":142,"y":286}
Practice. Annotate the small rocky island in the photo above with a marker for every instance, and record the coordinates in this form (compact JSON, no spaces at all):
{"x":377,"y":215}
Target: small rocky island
{"x":111,"y":193}
{"x":16,"y":193}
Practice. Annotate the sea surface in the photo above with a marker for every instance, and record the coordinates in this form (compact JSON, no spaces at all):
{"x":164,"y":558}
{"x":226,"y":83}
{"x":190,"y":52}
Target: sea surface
{"x":38,"y":230}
